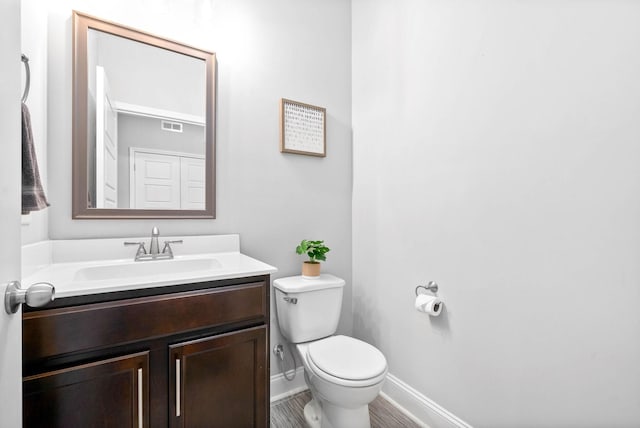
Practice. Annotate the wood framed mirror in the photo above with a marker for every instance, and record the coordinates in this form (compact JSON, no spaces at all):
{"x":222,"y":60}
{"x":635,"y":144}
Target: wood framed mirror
{"x":143,"y":124}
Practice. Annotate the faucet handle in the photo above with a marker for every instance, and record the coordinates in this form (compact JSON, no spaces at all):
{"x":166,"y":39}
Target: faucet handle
{"x":177,"y":241}
{"x":155,"y":231}
{"x":167,"y":246}
{"x":141,"y":248}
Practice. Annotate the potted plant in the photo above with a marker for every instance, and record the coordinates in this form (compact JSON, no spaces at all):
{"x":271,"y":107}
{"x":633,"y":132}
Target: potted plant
{"x":316,"y":251}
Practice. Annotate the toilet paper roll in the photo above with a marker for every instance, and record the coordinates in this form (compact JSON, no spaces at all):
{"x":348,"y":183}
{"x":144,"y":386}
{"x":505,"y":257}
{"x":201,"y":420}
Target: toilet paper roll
{"x":431,"y":305}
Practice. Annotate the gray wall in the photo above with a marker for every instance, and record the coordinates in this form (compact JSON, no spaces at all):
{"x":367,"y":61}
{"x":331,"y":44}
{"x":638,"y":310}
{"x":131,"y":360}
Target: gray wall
{"x":496,"y":152}
{"x":33,"y":23}
{"x":272,"y":200}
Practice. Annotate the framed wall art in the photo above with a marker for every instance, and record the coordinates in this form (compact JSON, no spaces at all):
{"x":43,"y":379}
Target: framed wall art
{"x":302,"y":128}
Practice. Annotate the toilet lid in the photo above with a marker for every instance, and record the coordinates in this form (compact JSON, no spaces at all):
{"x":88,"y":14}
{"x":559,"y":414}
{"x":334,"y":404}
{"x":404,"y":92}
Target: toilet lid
{"x":347,"y":358}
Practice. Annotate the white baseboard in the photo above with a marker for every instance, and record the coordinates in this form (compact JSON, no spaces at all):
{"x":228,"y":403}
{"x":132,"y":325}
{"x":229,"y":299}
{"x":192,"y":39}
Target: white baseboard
{"x":282,"y":388}
{"x":412,"y":403}
{"x":419,"y":408}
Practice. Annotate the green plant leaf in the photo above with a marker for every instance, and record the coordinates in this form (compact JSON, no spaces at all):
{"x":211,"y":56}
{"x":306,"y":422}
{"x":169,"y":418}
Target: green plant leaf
{"x":315,"y":250}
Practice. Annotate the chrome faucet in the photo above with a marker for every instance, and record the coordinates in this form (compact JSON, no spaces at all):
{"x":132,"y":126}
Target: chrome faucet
{"x":154,"y":248}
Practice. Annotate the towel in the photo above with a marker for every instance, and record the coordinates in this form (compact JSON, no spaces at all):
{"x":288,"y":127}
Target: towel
{"x":33,"y":198}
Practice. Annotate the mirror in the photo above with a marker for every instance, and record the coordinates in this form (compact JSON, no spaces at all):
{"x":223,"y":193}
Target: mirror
{"x":143,"y":124}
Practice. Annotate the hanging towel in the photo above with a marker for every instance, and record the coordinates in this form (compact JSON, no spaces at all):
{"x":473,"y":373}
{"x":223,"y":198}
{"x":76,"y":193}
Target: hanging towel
{"x":33,"y":198}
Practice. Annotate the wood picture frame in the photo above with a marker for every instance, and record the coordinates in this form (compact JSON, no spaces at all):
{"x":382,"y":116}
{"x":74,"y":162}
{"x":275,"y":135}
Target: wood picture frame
{"x":303,"y":128}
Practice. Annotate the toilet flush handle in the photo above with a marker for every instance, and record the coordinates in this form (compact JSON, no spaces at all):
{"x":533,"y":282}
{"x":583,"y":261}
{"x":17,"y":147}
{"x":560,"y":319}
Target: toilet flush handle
{"x":293,"y":300}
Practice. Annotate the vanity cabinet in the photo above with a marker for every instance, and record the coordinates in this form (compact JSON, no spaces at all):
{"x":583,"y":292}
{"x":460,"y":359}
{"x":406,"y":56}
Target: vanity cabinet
{"x":110,"y":393}
{"x":192,"y":355}
{"x":215,"y":381}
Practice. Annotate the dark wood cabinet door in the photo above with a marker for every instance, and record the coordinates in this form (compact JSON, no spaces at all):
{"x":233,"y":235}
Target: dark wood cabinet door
{"x":109,"y":393}
{"x":220,"y":381}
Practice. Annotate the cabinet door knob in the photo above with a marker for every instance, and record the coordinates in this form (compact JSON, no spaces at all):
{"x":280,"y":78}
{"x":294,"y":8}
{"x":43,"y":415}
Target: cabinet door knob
{"x":37,"y":295}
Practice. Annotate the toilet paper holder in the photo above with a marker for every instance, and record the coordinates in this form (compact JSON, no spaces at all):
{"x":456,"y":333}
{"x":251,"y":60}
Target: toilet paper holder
{"x":431,"y":286}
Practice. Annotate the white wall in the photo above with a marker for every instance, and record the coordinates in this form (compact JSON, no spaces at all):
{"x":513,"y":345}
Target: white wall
{"x":265,"y":51}
{"x":496,"y":152}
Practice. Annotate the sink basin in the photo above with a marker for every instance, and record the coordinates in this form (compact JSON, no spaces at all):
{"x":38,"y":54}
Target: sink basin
{"x":81,"y":267}
{"x":145,"y":268}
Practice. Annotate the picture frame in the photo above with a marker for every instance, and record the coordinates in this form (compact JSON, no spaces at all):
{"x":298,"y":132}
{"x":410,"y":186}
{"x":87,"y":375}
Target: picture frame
{"x":302,"y":128}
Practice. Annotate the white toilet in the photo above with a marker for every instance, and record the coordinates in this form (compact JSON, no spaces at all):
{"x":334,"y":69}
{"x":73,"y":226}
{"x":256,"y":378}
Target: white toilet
{"x":344,"y":374}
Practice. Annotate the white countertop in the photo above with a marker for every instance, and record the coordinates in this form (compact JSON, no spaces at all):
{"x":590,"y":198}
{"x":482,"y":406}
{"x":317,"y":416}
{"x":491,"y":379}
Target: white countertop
{"x":74,"y":269}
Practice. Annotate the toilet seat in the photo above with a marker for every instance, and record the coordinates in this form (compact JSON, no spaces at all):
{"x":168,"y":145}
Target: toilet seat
{"x":346,"y":361}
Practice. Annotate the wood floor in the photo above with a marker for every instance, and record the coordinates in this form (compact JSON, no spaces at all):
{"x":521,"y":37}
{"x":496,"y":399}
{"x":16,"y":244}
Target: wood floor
{"x":288,"y":413}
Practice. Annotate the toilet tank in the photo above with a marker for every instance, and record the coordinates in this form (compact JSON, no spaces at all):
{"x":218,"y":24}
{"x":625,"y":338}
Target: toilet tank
{"x":308,"y":309}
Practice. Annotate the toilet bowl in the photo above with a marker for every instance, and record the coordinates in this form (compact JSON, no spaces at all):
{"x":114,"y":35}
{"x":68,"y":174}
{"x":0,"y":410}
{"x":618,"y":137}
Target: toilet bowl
{"x":344,"y":374}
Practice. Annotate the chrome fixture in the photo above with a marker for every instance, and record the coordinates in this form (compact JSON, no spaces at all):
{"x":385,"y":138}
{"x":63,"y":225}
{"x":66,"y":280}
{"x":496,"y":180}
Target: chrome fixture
{"x":288,"y":299}
{"x":278,"y":350}
{"x":38,"y":294}
{"x":142,"y":251}
{"x":167,"y":247}
{"x":27,"y":85}
{"x":154,"y":248}
{"x":431,"y":286}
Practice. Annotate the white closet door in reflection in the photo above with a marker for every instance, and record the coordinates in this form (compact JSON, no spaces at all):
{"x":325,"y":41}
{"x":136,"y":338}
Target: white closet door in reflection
{"x":167,"y":181}
{"x":192,"y":171}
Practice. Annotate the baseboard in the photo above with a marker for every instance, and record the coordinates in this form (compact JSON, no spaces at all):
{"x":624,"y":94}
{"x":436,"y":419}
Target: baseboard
{"x":412,"y":403}
{"x":282,"y":388}
{"x":419,"y":408}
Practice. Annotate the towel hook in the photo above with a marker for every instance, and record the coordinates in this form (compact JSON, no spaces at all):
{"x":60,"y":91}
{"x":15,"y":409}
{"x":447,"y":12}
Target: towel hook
{"x":25,"y":61}
{"x":431,"y":286}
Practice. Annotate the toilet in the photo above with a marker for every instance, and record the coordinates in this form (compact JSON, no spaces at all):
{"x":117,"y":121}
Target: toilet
{"x":344,"y":374}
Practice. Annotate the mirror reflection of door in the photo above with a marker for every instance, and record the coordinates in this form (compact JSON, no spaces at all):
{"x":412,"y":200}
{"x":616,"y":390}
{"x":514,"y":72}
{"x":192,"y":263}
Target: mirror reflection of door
{"x":151,"y":99}
{"x":192,"y":183}
{"x":165,"y":180}
{"x":106,"y":144}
